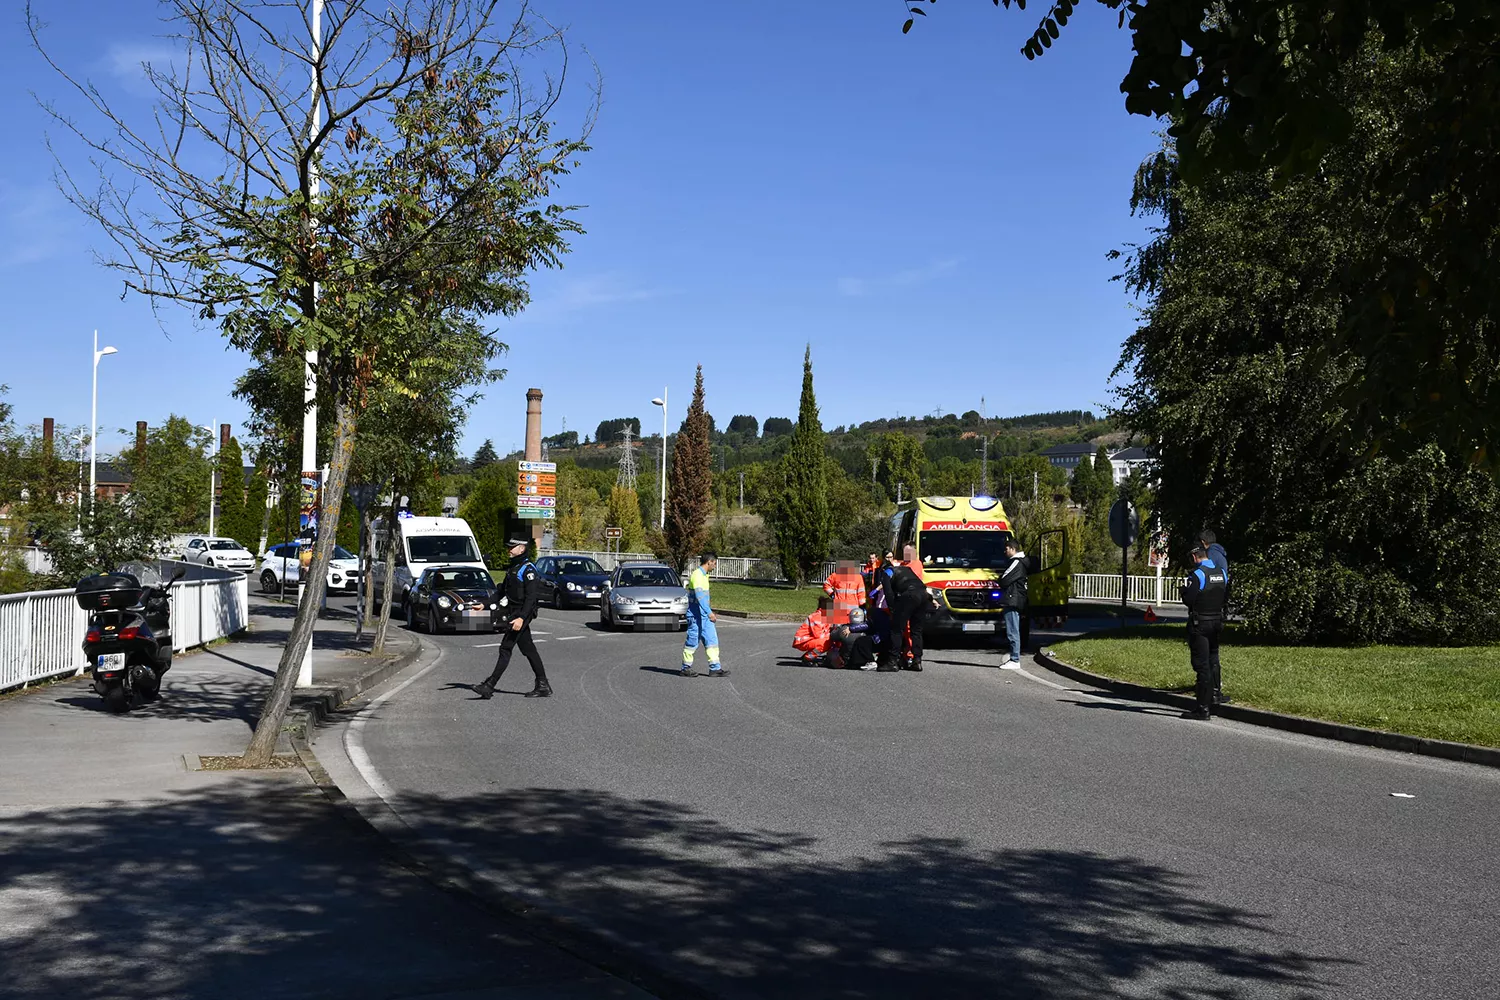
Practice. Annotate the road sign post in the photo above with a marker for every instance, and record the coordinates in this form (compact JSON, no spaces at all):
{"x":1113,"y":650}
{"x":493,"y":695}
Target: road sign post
{"x":1124,"y":529}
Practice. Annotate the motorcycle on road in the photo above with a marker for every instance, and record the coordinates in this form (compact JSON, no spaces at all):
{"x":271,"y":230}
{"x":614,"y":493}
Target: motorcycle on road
{"x":129,"y":638}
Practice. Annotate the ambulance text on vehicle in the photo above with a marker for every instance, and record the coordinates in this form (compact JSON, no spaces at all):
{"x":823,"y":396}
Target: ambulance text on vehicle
{"x":960,"y":544}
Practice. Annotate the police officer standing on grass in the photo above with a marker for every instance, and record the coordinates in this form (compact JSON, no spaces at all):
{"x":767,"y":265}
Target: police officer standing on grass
{"x":1219,"y":558}
{"x":520,"y":596}
{"x":1203,"y":594}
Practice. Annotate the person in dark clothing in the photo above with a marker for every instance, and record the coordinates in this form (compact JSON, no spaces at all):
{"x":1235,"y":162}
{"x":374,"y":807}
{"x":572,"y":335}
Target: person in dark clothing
{"x":906,"y":596}
{"x":520,"y":596}
{"x":1203,"y":595}
{"x":1220,"y":558}
{"x":1013,"y":583}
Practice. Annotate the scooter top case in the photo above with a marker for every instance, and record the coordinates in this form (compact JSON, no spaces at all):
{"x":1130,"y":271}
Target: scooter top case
{"x":108,"y":592}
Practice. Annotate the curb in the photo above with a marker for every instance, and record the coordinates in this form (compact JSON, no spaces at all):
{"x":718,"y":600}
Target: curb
{"x":1421,"y":745}
{"x":762,"y":616}
{"x":312,"y":707}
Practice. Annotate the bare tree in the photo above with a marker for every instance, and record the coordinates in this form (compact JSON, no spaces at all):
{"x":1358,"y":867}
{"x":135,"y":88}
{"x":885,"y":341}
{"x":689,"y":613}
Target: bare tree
{"x":365,"y":196}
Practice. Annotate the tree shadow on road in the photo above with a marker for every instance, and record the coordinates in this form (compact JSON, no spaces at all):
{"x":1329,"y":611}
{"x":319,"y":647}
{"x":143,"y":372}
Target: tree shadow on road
{"x":765,"y":913}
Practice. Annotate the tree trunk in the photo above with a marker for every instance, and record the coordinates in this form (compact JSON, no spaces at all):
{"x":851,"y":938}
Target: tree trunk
{"x":268,"y":729}
{"x":366,"y":580}
{"x":388,"y":588}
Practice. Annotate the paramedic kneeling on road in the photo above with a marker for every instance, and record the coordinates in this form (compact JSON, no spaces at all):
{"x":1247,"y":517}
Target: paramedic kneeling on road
{"x":701,"y":619}
{"x":1013,"y":583}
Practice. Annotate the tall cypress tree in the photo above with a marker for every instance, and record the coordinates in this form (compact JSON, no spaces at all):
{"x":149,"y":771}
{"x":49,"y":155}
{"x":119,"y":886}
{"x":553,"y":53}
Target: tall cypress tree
{"x":231,"y":492}
{"x":802,"y":524}
{"x":690,"y":482}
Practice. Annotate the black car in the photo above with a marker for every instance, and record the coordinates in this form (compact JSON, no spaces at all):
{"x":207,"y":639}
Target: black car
{"x":453,"y":599}
{"x":575,"y":581}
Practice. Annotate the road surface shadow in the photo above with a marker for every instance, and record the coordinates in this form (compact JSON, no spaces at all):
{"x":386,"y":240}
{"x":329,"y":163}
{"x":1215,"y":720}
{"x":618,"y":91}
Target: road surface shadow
{"x":763,"y":913}
{"x":191,"y":698}
{"x":241,"y":890}
{"x":669,"y":671}
{"x":1115,"y":706}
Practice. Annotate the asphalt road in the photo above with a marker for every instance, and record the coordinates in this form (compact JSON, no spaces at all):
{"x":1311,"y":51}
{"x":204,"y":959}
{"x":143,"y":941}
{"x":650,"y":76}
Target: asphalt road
{"x":800,"y":832}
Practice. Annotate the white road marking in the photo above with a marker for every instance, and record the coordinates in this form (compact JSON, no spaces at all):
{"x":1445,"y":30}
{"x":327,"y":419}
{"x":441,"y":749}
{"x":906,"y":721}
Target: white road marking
{"x":568,"y":638}
{"x":486,"y":645}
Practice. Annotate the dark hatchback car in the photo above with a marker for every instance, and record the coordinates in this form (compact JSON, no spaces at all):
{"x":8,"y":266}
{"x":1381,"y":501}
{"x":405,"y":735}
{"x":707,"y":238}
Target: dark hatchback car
{"x":570,"y":581}
{"x":453,"y":599}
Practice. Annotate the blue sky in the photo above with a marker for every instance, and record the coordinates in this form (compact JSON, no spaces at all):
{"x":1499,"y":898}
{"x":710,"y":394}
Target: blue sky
{"x":931,"y":212}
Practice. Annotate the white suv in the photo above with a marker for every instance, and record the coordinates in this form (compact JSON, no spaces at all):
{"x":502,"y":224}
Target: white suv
{"x":224,"y":553}
{"x":282,"y":563}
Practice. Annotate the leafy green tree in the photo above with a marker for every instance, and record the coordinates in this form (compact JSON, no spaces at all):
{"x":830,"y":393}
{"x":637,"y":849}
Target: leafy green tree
{"x":485,"y":455}
{"x":801,"y":521}
{"x":690,"y":482}
{"x":490,"y":507}
{"x":744,"y":424}
{"x":1264,"y":86}
{"x":901,"y":463}
{"x":436,"y":164}
{"x":233,"y":520}
{"x":1240,"y":373}
{"x":777,"y":426}
{"x":625,"y":514}
{"x":173,"y":470}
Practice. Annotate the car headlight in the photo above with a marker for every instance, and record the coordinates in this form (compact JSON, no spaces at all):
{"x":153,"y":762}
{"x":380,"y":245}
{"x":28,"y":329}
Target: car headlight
{"x":493,"y":607}
{"x":935,"y":593}
{"x":623,"y":601}
{"x":443,"y":602}
{"x":573,"y":586}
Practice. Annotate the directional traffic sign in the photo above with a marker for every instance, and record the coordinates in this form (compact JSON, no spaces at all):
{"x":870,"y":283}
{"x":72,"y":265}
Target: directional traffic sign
{"x":536,"y":491}
{"x":531,"y":513}
{"x":537,"y":466}
{"x":536,"y":502}
{"x":614,"y":533}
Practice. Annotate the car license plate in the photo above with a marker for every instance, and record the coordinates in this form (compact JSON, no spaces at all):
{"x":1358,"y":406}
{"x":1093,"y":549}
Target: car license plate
{"x":592,"y":593}
{"x":111,"y":661}
{"x":979,"y":626}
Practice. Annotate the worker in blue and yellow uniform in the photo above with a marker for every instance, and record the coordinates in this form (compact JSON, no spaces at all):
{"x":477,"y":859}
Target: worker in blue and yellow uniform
{"x":701,"y":620}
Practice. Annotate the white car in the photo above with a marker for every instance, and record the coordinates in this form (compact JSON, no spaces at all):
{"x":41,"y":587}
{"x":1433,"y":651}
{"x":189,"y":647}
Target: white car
{"x":281,"y":563}
{"x":223,"y":553}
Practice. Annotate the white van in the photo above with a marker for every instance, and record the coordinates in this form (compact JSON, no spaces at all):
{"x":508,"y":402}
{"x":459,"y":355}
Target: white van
{"x":422,"y":542}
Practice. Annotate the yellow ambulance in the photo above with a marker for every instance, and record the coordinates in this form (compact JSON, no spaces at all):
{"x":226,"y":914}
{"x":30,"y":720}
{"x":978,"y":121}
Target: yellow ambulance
{"x":960,"y":543}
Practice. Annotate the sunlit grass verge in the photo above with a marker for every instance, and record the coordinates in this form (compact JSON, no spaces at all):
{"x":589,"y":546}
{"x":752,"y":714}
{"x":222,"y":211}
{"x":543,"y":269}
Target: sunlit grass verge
{"x":1440,"y":693}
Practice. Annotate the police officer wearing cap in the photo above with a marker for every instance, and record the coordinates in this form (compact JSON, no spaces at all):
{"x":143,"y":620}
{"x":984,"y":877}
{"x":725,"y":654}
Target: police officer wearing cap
{"x":1203,"y":593}
{"x":520,"y":595}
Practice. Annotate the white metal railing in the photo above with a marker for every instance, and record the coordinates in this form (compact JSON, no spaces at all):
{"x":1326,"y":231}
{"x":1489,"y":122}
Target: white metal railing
{"x":41,"y":632}
{"x":1143,"y":589}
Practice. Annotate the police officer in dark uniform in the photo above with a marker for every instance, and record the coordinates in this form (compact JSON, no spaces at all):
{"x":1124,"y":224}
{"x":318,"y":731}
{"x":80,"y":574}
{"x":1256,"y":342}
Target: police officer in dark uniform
{"x":906,"y":595}
{"x":520,"y":594}
{"x":1203,"y":594}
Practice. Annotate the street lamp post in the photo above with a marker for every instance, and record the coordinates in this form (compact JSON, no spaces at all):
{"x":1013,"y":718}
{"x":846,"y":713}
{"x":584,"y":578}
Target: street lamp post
{"x":662,"y":402}
{"x":94,"y":423}
{"x":213,"y":454}
{"x":81,"y":438}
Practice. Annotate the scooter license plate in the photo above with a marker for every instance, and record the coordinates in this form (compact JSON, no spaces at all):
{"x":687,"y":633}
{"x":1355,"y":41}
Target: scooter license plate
{"x":108,"y":662}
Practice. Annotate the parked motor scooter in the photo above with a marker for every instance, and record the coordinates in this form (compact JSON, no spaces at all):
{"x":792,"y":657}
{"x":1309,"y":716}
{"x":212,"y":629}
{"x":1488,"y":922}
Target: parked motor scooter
{"x":129,"y":638}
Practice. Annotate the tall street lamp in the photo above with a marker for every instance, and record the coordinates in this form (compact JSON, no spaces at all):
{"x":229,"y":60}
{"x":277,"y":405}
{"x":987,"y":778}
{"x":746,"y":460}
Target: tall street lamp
{"x":213,"y":454}
{"x":94,"y":423}
{"x":662,"y":402}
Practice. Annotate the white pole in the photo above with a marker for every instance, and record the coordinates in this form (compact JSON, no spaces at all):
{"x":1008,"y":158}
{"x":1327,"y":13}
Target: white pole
{"x":663,"y":522}
{"x":310,"y":359}
{"x":79,"y":525}
{"x":93,"y":430}
{"x":212,"y":461}
{"x":94,"y":421}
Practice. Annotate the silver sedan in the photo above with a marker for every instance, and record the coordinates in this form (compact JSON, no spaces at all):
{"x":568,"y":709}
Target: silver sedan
{"x":644,"y":597}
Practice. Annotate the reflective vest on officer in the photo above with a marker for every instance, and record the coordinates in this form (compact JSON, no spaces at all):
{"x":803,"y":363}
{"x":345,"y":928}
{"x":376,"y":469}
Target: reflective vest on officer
{"x":1205,"y":590}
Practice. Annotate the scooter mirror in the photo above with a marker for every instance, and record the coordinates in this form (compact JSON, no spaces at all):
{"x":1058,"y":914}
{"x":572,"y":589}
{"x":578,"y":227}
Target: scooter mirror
{"x":181,"y":572}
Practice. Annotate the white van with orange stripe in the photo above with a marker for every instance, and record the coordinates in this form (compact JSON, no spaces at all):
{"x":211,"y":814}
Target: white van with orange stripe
{"x":960,"y":543}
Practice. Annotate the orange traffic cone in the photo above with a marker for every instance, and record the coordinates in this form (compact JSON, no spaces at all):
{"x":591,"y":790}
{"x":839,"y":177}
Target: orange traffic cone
{"x":1150,"y":615}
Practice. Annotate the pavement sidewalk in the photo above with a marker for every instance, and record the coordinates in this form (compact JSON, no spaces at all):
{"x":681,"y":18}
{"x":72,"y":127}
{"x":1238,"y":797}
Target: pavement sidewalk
{"x":123,"y":873}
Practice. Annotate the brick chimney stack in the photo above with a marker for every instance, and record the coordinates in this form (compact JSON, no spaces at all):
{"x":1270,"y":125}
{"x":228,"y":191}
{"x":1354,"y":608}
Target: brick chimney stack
{"x":48,"y":425}
{"x":140,"y":439}
{"x":223,"y":436}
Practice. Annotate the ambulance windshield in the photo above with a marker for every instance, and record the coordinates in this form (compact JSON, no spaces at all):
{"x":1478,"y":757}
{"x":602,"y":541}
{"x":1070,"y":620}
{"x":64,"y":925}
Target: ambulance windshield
{"x":963,"y":549}
{"x":442,"y":548}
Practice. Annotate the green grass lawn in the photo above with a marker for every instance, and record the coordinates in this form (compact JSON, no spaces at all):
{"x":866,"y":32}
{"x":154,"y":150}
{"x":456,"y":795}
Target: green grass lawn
{"x":1446,"y":694}
{"x":729,"y":595}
